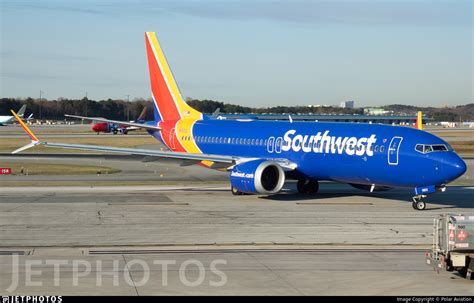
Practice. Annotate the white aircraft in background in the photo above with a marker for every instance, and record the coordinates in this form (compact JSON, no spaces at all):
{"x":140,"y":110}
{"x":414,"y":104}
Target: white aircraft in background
{"x":7,"y":119}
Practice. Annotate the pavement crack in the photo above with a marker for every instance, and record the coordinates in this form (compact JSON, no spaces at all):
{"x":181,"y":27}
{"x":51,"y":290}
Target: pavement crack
{"x":277,"y":275}
{"x":130,"y":274}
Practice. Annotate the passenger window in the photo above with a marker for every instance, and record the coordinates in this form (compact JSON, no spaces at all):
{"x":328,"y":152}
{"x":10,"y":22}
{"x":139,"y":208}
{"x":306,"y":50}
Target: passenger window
{"x":376,"y":149}
{"x":382,"y":148}
{"x":253,"y":141}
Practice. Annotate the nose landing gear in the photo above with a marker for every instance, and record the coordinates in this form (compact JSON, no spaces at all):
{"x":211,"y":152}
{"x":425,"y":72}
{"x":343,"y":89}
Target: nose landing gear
{"x":418,"y":202}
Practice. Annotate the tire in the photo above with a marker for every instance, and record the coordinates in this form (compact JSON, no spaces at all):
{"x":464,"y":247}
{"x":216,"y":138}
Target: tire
{"x":420,"y":205}
{"x":235,"y":192}
{"x":469,"y":275}
{"x":463,"y":272}
{"x":300,"y":186}
{"x":314,"y":186}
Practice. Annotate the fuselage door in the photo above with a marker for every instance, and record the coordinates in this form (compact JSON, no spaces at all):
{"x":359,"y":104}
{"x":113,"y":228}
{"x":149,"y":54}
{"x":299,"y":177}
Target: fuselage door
{"x":278,"y":143}
{"x":393,"y":150}
{"x":270,"y":143}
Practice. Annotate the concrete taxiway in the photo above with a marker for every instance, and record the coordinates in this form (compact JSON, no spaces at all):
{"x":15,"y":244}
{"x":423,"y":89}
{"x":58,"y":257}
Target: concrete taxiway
{"x":340,"y":242}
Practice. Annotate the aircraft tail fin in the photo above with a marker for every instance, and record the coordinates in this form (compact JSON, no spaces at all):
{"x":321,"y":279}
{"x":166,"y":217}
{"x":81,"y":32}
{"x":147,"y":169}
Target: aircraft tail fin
{"x":142,"y":115}
{"x":419,"y":120}
{"x":167,"y":101}
{"x":22,"y":110}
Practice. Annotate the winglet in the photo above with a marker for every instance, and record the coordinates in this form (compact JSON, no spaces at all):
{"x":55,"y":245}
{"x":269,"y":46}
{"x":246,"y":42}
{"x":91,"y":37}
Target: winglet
{"x":34,"y":139}
{"x":419,"y":121}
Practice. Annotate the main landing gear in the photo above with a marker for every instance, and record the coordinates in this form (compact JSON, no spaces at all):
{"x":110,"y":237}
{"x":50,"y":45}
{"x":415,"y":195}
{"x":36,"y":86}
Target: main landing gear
{"x":418,"y":202}
{"x":307,"y":186}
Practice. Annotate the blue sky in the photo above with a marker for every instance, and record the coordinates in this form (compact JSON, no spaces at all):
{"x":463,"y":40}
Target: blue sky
{"x":253,"y":53}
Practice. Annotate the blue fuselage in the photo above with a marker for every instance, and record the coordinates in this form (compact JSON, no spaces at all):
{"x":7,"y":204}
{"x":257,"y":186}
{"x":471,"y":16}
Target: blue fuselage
{"x":359,"y":153}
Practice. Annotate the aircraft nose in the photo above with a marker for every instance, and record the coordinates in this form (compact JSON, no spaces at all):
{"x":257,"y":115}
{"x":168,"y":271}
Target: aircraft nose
{"x":454,"y":168}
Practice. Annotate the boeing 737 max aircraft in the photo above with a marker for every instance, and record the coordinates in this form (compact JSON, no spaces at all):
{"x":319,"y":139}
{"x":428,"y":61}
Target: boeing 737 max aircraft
{"x":261,"y":155}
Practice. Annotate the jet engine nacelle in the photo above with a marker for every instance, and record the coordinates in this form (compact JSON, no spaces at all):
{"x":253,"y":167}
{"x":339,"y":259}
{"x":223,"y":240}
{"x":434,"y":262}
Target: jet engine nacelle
{"x":257,"y":176}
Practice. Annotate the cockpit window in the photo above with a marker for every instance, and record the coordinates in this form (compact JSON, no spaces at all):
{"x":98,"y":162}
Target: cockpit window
{"x":428,"y":148}
{"x":439,"y":147}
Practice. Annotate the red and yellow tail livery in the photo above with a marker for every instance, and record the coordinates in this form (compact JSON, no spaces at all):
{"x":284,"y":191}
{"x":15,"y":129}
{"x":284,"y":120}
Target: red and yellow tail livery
{"x":166,"y":96}
{"x":419,"y":121}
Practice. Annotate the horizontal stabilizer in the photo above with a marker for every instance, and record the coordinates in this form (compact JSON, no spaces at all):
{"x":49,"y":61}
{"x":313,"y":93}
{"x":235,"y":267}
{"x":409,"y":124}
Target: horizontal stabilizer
{"x":27,"y":146}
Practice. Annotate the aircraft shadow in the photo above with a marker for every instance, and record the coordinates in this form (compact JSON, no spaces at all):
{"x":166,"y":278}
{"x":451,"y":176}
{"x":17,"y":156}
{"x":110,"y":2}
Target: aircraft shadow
{"x":454,"y":197}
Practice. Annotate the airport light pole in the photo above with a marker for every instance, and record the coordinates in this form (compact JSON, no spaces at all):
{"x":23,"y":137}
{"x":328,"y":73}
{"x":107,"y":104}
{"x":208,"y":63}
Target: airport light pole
{"x":87,"y":101}
{"x":128,"y":108}
{"x":40,"y":102}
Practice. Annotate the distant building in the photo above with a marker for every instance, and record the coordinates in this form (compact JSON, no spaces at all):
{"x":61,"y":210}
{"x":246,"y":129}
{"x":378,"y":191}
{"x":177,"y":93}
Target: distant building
{"x":373,"y":111}
{"x":347,"y":104}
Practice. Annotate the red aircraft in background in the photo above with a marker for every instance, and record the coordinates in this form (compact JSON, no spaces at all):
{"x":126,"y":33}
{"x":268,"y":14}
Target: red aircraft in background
{"x":115,"y":127}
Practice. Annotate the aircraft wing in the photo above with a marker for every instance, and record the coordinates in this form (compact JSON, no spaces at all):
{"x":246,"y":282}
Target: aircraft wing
{"x":190,"y":158}
{"x":139,"y":125}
